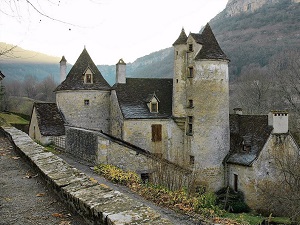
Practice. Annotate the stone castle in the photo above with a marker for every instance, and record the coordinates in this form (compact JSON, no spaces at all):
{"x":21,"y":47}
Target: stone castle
{"x":182,"y":124}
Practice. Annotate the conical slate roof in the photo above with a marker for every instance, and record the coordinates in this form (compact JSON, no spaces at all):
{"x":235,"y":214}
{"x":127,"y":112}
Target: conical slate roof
{"x":74,"y":79}
{"x":210,"y":48}
{"x":181,"y":39}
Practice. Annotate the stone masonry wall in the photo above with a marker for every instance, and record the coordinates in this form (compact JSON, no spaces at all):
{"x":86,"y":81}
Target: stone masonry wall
{"x":94,"y":115}
{"x":97,"y":203}
{"x":81,"y":144}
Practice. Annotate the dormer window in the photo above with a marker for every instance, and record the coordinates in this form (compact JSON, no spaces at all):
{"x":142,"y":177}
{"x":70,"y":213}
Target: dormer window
{"x":191,"y":103}
{"x":154,"y":107}
{"x":152,"y":102}
{"x":190,"y":47}
{"x":88,"y":76}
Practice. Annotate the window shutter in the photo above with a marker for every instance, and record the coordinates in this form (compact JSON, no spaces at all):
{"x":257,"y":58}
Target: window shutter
{"x":156,"y":132}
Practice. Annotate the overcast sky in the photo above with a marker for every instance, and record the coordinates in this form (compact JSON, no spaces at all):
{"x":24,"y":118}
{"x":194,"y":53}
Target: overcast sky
{"x":110,"y":29}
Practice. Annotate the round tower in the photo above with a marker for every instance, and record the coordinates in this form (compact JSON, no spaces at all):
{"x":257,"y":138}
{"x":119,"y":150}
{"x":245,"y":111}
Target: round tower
{"x":207,"y":111}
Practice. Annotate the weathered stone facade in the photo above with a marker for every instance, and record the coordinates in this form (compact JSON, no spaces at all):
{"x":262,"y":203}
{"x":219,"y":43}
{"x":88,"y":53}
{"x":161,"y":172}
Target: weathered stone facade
{"x":85,"y":108}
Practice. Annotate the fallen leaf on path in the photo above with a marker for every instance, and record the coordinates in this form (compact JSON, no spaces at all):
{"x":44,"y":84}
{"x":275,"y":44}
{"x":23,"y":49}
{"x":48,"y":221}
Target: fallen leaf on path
{"x":93,"y":180}
{"x":58,"y":215}
{"x":40,"y":195}
{"x":15,"y":157}
{"x":64,"y":222}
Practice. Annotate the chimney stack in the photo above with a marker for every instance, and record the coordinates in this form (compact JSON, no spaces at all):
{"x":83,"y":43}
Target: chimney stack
{"x":279,"y":119}
{"x":121,"y":72}
{"x":63,"y":69}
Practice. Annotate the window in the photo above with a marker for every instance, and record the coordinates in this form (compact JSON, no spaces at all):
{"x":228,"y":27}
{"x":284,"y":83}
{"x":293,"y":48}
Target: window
{"x":190,"y":126}
{"x":191,"y":103}
{"x":88,"y":78}
{"x":145,"y":177}
{"x":154,"y":107}
{"x":192,"y":160}
{"x":235,"y":182}
{"x":86,"y":102}
{"x":191,"y":72}
{"x":156,"y":132}
{"x":190,"y":47}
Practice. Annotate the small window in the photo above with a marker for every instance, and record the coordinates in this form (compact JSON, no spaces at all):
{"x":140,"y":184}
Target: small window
{"x":190,"y":126}
{"x":191,"y":103}
{"x":88,"y":78}
{"x":192,"y":160}
{"x":154,"y":107}
{"x":191,"y":72}
{"x":190,"y":47}
{"x":156,"y":132}
{"x":86,"y":102}
{"x":235,"y":182}
{"x":145,"y":177}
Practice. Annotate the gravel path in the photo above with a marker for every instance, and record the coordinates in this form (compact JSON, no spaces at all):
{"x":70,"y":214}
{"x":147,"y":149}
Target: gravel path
{"x":24,"y":197}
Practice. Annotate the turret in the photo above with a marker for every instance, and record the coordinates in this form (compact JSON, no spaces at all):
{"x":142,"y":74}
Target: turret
{"x":201,"y":98}
{"x":179,"y":79}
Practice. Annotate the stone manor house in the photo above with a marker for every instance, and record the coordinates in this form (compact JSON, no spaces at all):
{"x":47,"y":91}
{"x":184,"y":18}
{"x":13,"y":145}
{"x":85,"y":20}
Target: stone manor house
{"x":180,"y":125}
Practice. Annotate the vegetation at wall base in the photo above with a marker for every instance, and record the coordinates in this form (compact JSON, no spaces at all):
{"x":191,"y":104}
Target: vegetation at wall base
{"x":201,"y":206}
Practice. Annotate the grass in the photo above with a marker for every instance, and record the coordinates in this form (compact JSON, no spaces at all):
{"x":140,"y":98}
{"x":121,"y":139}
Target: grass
{"x":10,"y":118}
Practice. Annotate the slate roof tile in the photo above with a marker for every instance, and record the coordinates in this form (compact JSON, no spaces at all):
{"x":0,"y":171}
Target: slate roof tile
{"x":133,"y":96}
{"x":210,"y":48}
{"x":74,"y":79}
{"x":50,"y":120}
{"x":252,"y":130}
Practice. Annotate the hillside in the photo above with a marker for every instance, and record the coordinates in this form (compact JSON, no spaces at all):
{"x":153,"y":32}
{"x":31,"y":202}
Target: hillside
{"x":248,"y":34}
{"x":19,"y":63}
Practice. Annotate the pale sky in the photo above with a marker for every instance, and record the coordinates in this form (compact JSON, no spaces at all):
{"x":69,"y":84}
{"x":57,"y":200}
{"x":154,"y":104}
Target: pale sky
{"x":109,"y":29}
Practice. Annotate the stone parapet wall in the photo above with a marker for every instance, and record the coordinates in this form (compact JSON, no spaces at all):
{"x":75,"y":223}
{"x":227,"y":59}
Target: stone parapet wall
{"x":97,"y":203}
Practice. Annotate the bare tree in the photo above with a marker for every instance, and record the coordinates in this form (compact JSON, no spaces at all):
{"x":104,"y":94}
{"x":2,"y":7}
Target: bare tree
{"x":45,"y":89}
{"x":252,"y":90}
{"x":30,"y":86}
{"x":282,"y":197}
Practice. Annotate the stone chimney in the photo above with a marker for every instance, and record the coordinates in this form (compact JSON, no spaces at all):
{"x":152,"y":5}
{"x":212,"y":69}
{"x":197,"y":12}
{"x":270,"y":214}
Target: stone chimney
{"x":238,"y":111}
{"x":279,"y":119}
{"x":63,"y":69}
{"x":121,"y":72}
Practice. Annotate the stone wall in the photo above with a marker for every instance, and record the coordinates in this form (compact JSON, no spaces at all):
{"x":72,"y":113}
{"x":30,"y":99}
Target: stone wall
{"x":81,"y":144}
{"x":98,"y":147}
{"x":97,"y":203}
{"x":94,"y":115}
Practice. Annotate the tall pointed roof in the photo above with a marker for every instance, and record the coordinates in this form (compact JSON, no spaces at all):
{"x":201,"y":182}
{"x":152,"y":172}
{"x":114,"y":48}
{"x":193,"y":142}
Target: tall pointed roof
{"x":74,"y":79}
{"x":211,"y":48}
{"x":181,"y":39}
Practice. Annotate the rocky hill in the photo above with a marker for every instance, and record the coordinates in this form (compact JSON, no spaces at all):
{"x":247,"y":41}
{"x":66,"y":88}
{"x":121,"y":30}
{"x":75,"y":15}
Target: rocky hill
{"x":249,"y":32}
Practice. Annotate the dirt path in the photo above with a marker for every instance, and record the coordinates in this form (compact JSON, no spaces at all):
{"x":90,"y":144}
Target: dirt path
{"x":24,"y":197}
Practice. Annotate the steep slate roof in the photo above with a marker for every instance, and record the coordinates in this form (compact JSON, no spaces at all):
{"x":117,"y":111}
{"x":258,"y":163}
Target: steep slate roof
{"x":210,"y":48}
{"x":74,"y":79}
{"x":49,"y":119}
{"x":134,"y":94}
{"x":181,"y":40}
{"x":254,"y":131}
